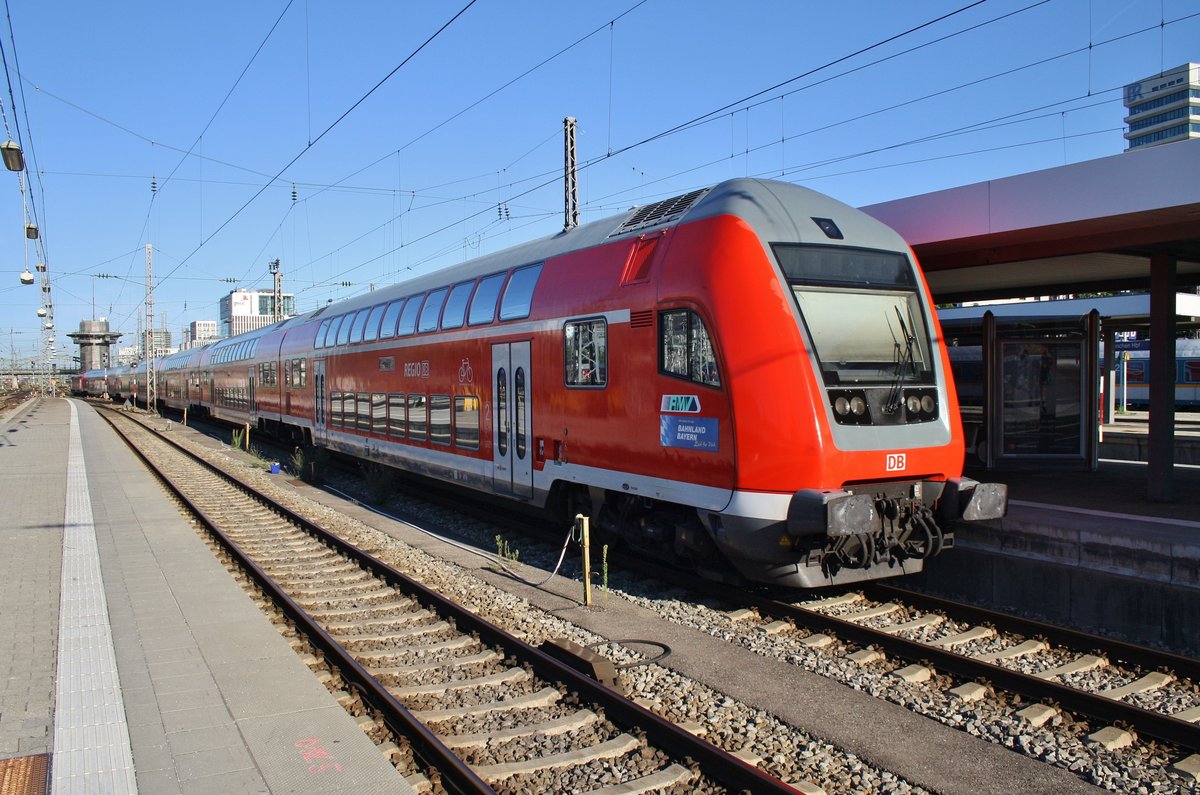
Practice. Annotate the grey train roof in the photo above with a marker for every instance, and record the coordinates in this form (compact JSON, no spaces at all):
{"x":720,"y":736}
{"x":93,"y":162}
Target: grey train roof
{"x":775,"y":210}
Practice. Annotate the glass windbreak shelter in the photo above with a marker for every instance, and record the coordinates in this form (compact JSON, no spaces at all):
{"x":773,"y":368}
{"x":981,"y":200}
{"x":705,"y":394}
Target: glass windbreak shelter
{"x":1028,"y":389}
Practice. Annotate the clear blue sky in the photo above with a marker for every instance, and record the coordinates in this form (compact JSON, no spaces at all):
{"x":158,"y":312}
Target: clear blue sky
{"x":110,"y":96}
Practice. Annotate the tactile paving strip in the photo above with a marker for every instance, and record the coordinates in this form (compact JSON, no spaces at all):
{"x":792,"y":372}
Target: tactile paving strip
{"x":25,"y":775}
{"x":91,"y":737}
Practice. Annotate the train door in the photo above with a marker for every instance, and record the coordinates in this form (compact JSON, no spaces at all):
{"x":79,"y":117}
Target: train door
{"x":251,"y":404}
{"x":319,"y":401}
{"x":512,"y":452}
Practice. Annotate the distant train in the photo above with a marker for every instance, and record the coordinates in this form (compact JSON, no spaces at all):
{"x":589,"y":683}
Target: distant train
{"x":746,"y":378}
{"x":1187,"y":376}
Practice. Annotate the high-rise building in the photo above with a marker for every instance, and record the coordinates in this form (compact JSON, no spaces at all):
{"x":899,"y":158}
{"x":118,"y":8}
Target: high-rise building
{"x":246,"y":310}
{"x":1163,"y":108}
{"x":200,"y":333}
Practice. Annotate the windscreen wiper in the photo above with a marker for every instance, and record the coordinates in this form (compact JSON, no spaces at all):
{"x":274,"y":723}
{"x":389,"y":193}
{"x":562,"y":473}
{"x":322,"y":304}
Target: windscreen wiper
{"x":903,"y":361}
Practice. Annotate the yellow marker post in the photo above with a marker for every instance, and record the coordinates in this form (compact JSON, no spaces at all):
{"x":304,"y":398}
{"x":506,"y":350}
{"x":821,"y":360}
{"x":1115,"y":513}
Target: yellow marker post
{"x":586,"y":541}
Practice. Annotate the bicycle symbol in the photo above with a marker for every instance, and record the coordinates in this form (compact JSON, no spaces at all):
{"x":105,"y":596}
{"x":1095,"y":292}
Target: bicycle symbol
{"x":465,"y":374}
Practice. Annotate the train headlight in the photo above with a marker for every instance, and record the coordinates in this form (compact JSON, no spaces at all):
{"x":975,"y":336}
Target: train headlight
{"x":858,"y":406}
{"x":928,"y":404}
{"x":913,"y":404}
{"x":842,"y":406}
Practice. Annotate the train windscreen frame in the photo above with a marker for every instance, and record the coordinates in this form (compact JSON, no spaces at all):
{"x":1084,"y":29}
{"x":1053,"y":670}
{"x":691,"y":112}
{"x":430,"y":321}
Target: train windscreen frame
{"x":862,"y":311}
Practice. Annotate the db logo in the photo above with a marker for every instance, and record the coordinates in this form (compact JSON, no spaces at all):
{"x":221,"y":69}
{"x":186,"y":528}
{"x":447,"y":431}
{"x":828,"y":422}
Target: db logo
{"x":896,"y":462}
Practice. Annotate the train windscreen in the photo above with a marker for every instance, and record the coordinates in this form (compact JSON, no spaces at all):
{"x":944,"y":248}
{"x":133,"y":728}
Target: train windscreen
{"x":862,"y":313}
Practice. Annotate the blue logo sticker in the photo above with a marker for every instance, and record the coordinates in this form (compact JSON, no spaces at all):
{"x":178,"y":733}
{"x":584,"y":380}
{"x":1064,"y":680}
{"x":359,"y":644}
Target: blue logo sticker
{"x":680,"y":404}
{"x":691,"y":433}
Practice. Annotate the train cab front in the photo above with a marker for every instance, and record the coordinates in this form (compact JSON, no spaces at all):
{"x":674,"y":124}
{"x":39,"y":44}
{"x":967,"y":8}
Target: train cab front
{"x":877,"y":488}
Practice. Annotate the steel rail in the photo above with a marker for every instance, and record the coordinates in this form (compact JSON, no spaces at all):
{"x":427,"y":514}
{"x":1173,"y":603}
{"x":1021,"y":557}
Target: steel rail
{"x":1141,"y":656}
{"x":456,"y":772}
{"x":1153,"y":724}
{"x":661,"y":733}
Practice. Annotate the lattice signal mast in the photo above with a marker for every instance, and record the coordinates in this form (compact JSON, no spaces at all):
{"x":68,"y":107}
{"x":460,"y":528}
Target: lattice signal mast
{"x":148,"y":344}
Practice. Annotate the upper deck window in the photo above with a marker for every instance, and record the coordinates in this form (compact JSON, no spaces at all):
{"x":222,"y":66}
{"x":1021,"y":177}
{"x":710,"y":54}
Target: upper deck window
{"x":320,"y":340}
{"x":483,"y":305}
{"x":371,"y":332}
{"x":331,"y":333}
{"x":432,"y":310}
{"x":344,"y":330}
{"x":456,"y":305}
{"x":408,"y":320}
{"x":518,"y":295}
{"x":388,"y":327}
{"x":360,"y":325}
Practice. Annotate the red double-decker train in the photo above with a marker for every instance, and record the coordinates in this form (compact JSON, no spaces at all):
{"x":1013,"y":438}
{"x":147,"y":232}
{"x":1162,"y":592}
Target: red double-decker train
{"x":748,"y":378}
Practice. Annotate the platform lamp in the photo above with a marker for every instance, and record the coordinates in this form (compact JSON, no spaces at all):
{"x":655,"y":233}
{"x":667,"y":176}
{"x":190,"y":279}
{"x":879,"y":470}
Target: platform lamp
{"x":41,"y":312}
{"x":31,"y":231}
{"x":14,"y":159}
{"x":26,"y":277}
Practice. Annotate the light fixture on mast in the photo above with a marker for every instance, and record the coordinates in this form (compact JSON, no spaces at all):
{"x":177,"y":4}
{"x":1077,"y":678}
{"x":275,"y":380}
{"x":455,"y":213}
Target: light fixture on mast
{"x":14,"y":158}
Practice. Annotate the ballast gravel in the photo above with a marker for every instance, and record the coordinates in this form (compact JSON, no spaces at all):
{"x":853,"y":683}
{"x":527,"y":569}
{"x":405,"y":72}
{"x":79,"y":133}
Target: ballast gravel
{"x":786,"y":752}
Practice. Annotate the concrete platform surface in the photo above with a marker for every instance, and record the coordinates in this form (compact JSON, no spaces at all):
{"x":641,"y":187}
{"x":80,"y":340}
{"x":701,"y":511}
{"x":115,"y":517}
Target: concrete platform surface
{"x":205,"y":695}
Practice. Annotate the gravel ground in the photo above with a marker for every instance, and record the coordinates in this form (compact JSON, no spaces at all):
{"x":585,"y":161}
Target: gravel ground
{"x":788,"y":753}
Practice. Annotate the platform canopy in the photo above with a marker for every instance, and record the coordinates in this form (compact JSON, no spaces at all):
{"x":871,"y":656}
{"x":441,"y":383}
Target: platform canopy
{"x":1083,"y":227}
{"x":1126,"y":222}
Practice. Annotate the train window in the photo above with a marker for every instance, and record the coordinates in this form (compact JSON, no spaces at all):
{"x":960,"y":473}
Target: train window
{"x":303,"y":372}
{"x":408,"y":320}
{"x":371,"y":332}
{"x":379,"y":412}
{"x":332,"y":332}
{"x":685,"y":349}
{"x":502,"y":412}
{"x":388,"y":327}
{"x":483,"y":305}
{"x":319,"y":342}
{"x":416,"y":417}
{"x":360,"y":325}
{"x":519,"y":410}
{"x":518,"y":295}
{"x":466,"y":422}
{"x":456,"y":305}
{"x":364,"y":411}
{"x":274,"y":373}
{"x":395,"y":414}
{"x":439,"y":419}
{"x":343,"y":335}
{"x":585,"y":352}
{"x":1190,"y":371}
{"x":432,"y":310}
{"x":287,"y":373}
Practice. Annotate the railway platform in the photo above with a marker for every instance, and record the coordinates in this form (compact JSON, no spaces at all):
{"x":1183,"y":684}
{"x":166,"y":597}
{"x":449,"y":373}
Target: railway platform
{"x":1090,"y":549}
{"x":129,"y":659}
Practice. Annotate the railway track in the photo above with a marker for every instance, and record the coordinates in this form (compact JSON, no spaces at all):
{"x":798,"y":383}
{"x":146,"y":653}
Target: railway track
{"x":1137,"y":691}
{"x":477,"y":706}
